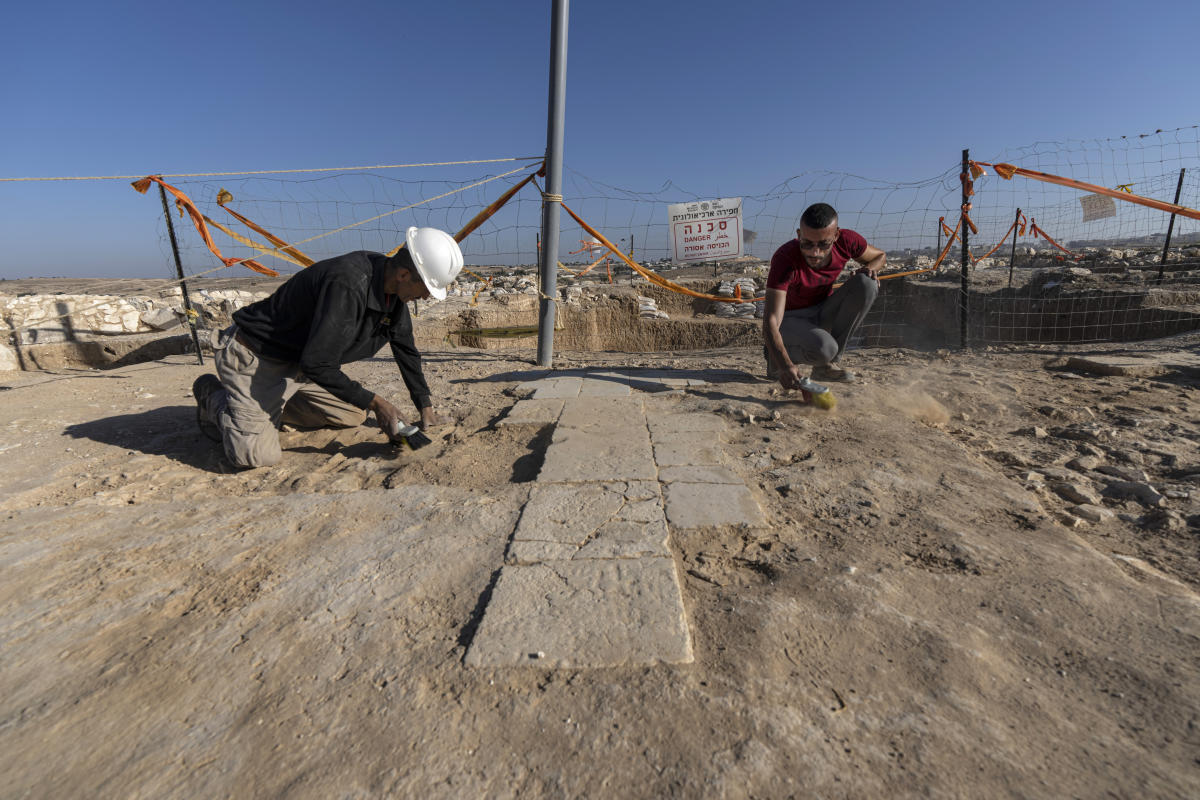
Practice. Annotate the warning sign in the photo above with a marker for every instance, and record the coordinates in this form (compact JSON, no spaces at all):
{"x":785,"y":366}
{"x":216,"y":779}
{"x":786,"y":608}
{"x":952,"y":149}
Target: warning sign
{"x":706,"y":230}
{"x":1097,"y":206}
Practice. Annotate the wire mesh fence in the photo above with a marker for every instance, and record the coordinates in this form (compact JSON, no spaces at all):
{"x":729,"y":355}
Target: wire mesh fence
{"x":1046,"y":263}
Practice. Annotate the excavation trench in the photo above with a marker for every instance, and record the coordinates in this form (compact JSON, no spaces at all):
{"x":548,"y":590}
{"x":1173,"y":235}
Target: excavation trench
{"x":915,"y":314}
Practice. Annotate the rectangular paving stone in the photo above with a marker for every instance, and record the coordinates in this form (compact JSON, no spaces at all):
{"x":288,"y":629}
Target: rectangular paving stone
{"x":664,"y":424}
{"x":698,"y":438}
{"x":584,"y":614}
{"x":687,"y":454}
{"x":604,"y":387}
{"x":701,"y":474}
{"x":626,"y":539}
{"x":568,"y":513}
{"x":552,"y":388}
{"x":533,"y":412}
{"x":576,"y":455}
{"x":591,"y":520}
{"x":615,"y":539}
{"x":701,"y":505}
{"x":617,"y":416}
{"x":527,"y":388}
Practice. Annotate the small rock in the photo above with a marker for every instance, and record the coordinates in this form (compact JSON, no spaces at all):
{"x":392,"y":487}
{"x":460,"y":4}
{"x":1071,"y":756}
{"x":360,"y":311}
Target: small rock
{"x":1124,"y":473}
{"x":1164,"y":520}
{"x":1091,"y":513}
{"x":1144,"y":493}
{"x":1076,"y":493}
{"x":1057,"y":473}
{"x":1084,"y":463}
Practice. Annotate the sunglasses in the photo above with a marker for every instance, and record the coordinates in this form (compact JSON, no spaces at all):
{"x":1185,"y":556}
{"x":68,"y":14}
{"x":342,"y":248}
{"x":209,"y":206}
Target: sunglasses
{"x":805,"y":244}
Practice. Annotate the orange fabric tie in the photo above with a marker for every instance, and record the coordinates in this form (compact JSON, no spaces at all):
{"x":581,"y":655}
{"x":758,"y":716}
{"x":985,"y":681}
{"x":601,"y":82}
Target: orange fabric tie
{"x":143,"y":185}
{"x":1006,"y":171}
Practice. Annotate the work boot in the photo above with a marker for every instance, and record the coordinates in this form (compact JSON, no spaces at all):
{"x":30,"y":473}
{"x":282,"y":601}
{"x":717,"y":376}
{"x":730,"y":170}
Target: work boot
{"x":830,"y":373}
{"x":203,"y":390}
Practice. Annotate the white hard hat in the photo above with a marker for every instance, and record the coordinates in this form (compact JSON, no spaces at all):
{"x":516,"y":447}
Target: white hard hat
{"x":437,"y":258}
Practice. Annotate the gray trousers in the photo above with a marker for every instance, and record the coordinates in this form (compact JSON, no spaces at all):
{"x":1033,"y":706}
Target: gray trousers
{"x":260,"y":394}
{"x":818,"y":334}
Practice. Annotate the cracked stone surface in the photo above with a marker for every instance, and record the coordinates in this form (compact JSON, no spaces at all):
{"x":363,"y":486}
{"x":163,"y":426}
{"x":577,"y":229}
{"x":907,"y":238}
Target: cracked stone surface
{"x":599,"y":440}
{"x":605,"y":387}
{"x":700,"y":449}
{"x":533,"y":412}
{"x":590,"y":521}
{"x":588,"y":578}
{"x":579,"y":456}
{"x":614,"y":416}
{"x":584,"y":614}
{"x":557,"y":388}
{"x":663,"y":424}
{"x":701,"y":474}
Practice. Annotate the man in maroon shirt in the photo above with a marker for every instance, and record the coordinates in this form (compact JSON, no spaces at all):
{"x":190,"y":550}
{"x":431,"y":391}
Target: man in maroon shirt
{"x":806,"y":320}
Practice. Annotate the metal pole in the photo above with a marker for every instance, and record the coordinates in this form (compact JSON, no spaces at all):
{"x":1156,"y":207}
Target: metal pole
{"x":965,"y":285}
{"x":552,"y":200}
{"x":187,"y":301}
{"x":1012,"y":259}
{"x":1162,"y":262}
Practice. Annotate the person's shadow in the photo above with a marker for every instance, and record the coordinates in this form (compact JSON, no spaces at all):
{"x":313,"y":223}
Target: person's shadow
{"x":172,"y":432}
{"x":169,"y":431}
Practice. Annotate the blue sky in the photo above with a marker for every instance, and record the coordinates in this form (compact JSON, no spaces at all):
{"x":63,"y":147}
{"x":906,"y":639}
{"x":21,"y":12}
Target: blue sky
{"x":718,"y":98}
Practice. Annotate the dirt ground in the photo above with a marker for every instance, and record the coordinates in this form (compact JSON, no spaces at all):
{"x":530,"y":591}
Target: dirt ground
{"x":922,"y":618}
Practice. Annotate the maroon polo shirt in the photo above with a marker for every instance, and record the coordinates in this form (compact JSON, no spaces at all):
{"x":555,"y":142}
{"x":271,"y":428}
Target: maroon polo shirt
{"x":804,"y":285}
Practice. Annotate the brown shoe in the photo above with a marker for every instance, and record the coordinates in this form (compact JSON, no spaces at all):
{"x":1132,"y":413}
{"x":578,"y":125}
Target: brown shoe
{"x":832,"y":373}
{"x":203,"y":389}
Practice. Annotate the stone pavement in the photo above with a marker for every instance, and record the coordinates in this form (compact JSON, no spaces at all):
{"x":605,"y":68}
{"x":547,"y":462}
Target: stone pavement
{"x":588,"y":578}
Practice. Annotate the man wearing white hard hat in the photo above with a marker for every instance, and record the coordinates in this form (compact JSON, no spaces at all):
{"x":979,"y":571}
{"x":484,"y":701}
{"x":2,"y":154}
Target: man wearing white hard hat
{"x":281,"y":360}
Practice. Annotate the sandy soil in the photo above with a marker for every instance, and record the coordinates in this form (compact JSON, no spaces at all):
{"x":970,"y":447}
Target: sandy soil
{"x":921,"y":619}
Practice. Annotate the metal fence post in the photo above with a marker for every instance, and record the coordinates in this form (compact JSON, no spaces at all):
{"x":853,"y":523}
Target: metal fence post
{"x":187,"y":301}
{"x":1012,"y":259}
{"x":552,"y":199}
{"x":965,"y":284}
{"x":1162,"y":262}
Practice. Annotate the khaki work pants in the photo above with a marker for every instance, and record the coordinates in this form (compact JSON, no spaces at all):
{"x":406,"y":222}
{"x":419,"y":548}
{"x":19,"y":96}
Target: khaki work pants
{"x":260,"y":395}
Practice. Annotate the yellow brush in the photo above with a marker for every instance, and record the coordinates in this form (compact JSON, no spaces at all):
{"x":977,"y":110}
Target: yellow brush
{"x":817,"y":394}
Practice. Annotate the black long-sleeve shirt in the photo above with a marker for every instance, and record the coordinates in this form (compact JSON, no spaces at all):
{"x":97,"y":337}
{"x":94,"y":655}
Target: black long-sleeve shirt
{"x":333,"y":313}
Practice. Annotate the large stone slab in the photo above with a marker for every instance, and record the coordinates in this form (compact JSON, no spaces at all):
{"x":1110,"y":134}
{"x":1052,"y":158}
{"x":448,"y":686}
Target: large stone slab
{"x":617,"y":416}
{"x":686,"y":448}
{"x":701,"y":505}
{"x":1147,"y":365}
{"x":571,"y":521}
{"x":584,"y":614}
{"x":663,"y":424}
{"x":605,"y":387}
{"x":553,"y":388}
{"x":700,"y":474}
{"x":575,"y":456}
{"x":533,"y":412}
